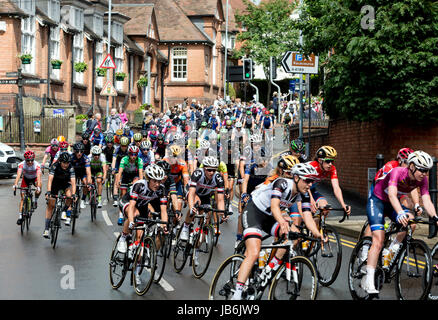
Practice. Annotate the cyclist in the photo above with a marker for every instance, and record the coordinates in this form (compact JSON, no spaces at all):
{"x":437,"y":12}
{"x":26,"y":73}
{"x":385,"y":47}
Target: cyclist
{"x":86,"y":142}
{"x":50,"y":152}
{"x":146,"y":154}
{"x":81,"y":165}
{"x":130,"y":170}
{"x":384,"y":201}
{"x":402,"y":158}
{"x":202,"y":183}
{"x":136,"y":203}
{"x":61,"y":177}
{"x":97,"y":138}
{"x":323,"y":163}
{"x":127,"y":132}
{"x":263,"y":213}
{"x":120,"y":152}
{"x":297,"y":148}
{"x":108,"y":151}
{"x":170,"y":186}
{"x":98,"y":170}
{"x":138,"y":138}
{"x":63,"y":147}
{"x":30,"y":170}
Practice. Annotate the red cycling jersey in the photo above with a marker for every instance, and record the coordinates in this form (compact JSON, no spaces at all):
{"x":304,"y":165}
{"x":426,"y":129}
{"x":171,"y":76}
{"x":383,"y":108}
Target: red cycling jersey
{"x":386,"y":169}
{"x":331,"y":174}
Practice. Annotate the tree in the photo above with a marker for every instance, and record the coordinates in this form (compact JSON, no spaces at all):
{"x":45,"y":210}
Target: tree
{"x":382,"y":67}
{"x":269,"y":31}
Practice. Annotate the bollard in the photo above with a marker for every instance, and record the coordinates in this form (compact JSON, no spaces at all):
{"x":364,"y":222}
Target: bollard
{"x":433,"y":193}
{"x":380,"y":161}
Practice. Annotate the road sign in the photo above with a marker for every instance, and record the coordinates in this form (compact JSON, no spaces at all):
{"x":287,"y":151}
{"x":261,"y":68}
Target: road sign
{"x":8,"y":81}
{"x":58,"y":112}
{"x":296,"y":62}
{"x":34,"y":81}
{"x":108,"y":90}
{"x":11,"y":74}
{"x":108,"y":62}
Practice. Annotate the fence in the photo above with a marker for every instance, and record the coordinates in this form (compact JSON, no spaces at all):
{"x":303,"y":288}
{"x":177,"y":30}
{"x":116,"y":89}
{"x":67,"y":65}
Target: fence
{"x":48,"y":128}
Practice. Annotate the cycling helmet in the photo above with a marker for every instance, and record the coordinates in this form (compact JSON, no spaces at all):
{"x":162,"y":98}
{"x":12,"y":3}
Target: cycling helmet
{"x":271,"y":111}
{"x":64,"y":157}
{"x":96,"y":150}
{"x":326,"y":152}
{"x":145,"y":145}
{"x":305,"y":171}
{"x":155,"y":172}
{"x":109,"y":139}
{"x":133,"y":149}
{"x":119,"y":132}
{"x":79,"y":146}
{"x":203,"y":124}
{"x":229,"y":122}
{"x":238,"y":124}
{"x":54,"y":142}
{"x":248,"y":112}
{"x":160,"y":136}
{"x":298,"y":145}
{"x":61,"y":138}
{"x":126,"y":128}
{"x":153,"y":136}
{"x":183,"y":117}
{"x":404,"y":153}
{"x":137,"y":136}
{"x":176,"y":150}
{"x":29,"y":155}
{"x":233,"y":118}
{"x":177,"y":136}
{"x":210,"y":162}
{"x":63,"y":145}
{"x":85,"y":136}
{"x":144,"y":133}
{"x":255,"y":138}
{"x":421,"y":160}
{"x":97,"y":130}
{"x":124,"y":141}
{"x":165,"y":165}
{"x":287,"y":162}
{"x":205,"y":144}
{"x":224,"y":130}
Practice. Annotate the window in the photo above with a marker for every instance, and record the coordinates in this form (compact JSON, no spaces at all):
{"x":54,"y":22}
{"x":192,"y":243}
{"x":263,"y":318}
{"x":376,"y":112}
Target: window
{"x":26,"y":5}
{"x":54,"y":10}
{"x":99,"y":60}
{"x":78,"y":55}
{"x":98,"y":25}
{"x":118,"y":60}
{"x":117,"y":32}
{"x":151,"y":33}
{"x":55,"y":49}
{"x":77,"y":18}
{"x":232,"y":42}
{"x":179,"y":64}
{"x":28,"y":42}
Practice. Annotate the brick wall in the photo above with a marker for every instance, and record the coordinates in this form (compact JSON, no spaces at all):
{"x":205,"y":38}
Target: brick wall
{"x":358,"y":143}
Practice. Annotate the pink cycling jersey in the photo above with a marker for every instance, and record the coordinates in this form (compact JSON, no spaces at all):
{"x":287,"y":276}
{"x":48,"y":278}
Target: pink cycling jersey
{"x":50,"y":151}
{"x":399,"y":177}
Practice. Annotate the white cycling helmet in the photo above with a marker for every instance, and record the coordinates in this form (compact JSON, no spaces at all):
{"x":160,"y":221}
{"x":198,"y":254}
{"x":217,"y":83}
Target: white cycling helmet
{"x":255,"y":138}
{"x":238,"y":124}
{"x":305,"y":171}
{"x":145,"y":145}
{"x":210,"y":162}
{"x":421,"y":160}
{"x":205,"y":144}
{"x":96,"y":150}
{"x":177,"y":136}
{"x":155,"y":172}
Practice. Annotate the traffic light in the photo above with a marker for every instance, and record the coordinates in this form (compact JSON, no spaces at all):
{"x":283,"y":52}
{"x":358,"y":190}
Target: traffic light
{"x":273,"y":68}
{"x":247,"y":69}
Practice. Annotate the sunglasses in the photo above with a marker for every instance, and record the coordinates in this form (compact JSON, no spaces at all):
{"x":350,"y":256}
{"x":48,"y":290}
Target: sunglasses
{"x":211,"y":169}
{"x":29,"y":160}
{"x":309,"y":181}
{"x":132,"y":154}
{"x":329,"y":160}
{"x":79,"y":151}
{"x":423,"y":170}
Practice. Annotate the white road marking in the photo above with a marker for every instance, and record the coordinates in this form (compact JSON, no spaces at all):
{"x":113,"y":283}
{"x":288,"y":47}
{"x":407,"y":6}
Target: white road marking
{"x":106,"y":218}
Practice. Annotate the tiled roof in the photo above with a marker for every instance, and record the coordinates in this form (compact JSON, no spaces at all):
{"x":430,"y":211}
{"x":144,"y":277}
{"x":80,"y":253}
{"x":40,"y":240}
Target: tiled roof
{"x":198,"y":8}
{"x":232,"y":25}
{"x":140,"y":15}
{"x":132,"y":46}
{"x":9,"y":8}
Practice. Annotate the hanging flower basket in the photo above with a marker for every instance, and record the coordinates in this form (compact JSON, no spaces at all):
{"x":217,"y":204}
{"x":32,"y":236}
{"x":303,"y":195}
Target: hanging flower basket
{"x":56,"y":64}
{"x":80,"y":66}
{"x":120,"y":76}
{"x":26,"y":58}
{"x":142,"y":82}
{"x":101,"y":72}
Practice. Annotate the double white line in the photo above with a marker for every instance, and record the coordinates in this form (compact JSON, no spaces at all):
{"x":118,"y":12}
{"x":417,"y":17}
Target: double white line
{"x":163,"y":283}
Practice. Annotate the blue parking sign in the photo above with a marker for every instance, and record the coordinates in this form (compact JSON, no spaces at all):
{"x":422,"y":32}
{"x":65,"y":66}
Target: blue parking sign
{"x":298,"y":57}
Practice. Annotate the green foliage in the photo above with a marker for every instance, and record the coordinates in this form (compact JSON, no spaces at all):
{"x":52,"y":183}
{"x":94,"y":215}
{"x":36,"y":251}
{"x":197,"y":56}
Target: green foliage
{"x":389,"y":70}
{"x":142,"y":82}
{"x":25,"y":56}
{"x":269,"y":31}
{"x":120,"y":76}
{"x":55,"y":61}
{"x":101,"y":72}
{"x":80,"y":66}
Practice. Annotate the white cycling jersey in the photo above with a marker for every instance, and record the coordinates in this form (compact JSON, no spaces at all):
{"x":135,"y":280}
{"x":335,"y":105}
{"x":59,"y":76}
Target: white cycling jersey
{"x":29,"y":172}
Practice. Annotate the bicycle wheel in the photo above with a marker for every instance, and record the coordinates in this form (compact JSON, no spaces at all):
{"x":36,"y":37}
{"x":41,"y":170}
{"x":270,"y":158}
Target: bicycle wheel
{"x":161,"y":244}
{"x":203,"y":250}
{"x":181,"y":252}
{"x":74,"y":216}
{"x":414,"y":276}
{"x":118,"y":266}
{"x":93,"y":205}
{"x":298,"y":283}
{"x":217,"y":231}
{"x":328,"y":258}
{"x":144,"y":266}
{"x":433,"y":295}
{"x":224,"y":281}
{"x":357,"y":270}
{"x":55,"y":224}
{"x":25,"y":214}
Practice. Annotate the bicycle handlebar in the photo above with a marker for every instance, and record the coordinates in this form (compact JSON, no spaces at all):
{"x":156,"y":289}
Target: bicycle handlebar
{"x":27,"y":189}
{"x":328,"y":207}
